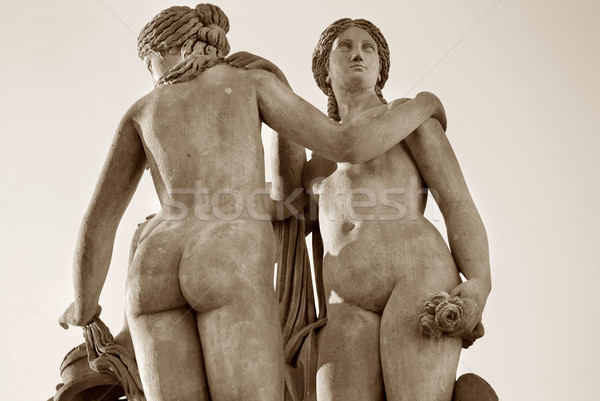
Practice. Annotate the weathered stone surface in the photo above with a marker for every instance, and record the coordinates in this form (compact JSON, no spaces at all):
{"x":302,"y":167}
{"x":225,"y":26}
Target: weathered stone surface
{"x":204,"y":319}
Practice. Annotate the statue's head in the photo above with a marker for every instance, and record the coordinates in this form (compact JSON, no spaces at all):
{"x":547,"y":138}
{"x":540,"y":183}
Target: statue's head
{"x":322,"y":53}
{"x":174,"y":35}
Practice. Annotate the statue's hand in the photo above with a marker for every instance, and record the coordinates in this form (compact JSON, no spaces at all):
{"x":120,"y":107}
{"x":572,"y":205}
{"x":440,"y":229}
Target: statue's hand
{"x":401,"y":100}
{"x":434,"y":104}
{"x":475,"y":291}
{"x":252,"y":61}
{"x":73,"y":318}
{"x":317,"y":169}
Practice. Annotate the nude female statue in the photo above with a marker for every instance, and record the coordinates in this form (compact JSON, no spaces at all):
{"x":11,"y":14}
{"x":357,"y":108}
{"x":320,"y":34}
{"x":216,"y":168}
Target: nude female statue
{"x":199,"y":294}
{"x":382,"y":258}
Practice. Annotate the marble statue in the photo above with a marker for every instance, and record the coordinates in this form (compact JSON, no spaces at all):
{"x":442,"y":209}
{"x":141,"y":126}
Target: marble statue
{"x":200,"y":304}
{"x":386,"y":268}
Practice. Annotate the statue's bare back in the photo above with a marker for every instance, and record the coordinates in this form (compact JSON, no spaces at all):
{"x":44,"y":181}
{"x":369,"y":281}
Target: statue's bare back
{"x":207,"y":164}
{"x":205,"y":256}
{"x":204,"y":134}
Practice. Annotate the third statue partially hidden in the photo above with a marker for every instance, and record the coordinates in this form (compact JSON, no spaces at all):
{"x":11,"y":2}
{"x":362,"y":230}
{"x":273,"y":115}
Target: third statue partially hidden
{"x":200,"y":303}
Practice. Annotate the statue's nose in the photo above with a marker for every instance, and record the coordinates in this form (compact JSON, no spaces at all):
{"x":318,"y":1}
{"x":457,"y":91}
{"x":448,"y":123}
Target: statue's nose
{"x":357,"y":56}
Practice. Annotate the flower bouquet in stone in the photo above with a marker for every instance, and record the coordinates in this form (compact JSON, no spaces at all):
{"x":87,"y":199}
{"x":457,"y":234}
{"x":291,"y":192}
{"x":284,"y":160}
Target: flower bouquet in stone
{"x":446,"y":315}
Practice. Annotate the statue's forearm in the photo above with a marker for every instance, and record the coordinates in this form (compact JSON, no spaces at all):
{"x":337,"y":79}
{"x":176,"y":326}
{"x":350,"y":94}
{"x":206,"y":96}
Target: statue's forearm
{"x":374,"y":133}
{"x":317,"y":168}
{"x":118,"y":181}
{"x":469,"y":245}
{"x":91,"y":263}
{"x":365,"y":137}
{"x":287,"y":163}
{"x":441,"y":172}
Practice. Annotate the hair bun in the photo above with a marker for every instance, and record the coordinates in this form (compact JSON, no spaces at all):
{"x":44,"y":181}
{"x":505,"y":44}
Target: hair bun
{"x":210,"y":14}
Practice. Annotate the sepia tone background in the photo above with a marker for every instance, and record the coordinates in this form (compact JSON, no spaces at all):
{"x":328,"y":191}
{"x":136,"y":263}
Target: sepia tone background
{"x":521,"y":88}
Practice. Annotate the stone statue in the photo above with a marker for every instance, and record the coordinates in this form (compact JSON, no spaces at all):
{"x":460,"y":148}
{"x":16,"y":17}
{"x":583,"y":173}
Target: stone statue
{"x":382,"y":259}
{"x":199,"y":297}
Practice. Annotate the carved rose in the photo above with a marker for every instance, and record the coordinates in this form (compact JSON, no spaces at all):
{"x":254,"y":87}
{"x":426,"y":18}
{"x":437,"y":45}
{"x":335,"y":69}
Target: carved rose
{"x":448,"y":315}
{"x":442,"y":314}
{"x":428,"y":326}
{"x":434,"y":300}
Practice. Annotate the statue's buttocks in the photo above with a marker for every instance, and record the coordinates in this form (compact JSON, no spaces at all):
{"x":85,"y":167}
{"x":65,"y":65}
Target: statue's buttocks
{"x":192,"y":263}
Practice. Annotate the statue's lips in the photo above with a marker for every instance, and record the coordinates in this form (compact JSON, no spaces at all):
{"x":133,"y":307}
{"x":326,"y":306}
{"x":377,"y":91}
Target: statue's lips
{"x":357,"y":66}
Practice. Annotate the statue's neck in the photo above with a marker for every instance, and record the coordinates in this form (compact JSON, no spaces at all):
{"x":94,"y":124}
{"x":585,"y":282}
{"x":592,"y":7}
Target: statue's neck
{"x":352,"y":103}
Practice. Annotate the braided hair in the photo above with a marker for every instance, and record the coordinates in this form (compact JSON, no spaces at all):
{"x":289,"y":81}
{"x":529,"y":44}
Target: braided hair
{"x":320,"y":59}
{"x":200,"y":32}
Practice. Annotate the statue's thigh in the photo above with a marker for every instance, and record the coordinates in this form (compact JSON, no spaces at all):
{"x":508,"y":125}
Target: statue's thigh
{"x":226,"y":275}
{"x":163,"y":328}
{"x":349,"y":360}
{"x":243,"y":352}
{"x":415,"y":366}
{"x":169,"y":355}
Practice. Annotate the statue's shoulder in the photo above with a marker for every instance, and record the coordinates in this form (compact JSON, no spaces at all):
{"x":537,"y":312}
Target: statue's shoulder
{"x":226,"y":70}
{"x":136,"y":112}
{"x":138,"y":107}
{"x":158,"y":94}
{"x":235,"y":78}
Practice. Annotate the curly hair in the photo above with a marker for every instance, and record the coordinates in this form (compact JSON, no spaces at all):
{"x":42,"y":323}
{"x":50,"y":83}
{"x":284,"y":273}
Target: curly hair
{"x":200,"y":32}
{"x":320,"y":58}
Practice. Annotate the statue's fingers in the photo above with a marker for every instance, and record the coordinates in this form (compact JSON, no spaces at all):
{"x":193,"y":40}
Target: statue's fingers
{"x":248,"y":56}
{"x":458,"y":333}
{"x":470,"y":325}
{"x":479,"y":331}
{"x":456,"y":291}
{"x":232,"y":57}
{"x":244,"y":57}
{"x":97,"y":314}
{"x":238,"y":55}
{"x":255,"y":65}
{"x":472,"y":330}
{"x":62,"y":322}
{"x":238,"y":59}
{"x":237,"y":64}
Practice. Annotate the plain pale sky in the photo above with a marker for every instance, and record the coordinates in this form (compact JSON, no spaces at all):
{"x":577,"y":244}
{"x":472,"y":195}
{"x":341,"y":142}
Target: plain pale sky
{"x":520,"y":84}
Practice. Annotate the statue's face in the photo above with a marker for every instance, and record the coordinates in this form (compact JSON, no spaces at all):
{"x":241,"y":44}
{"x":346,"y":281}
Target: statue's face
{"x":159,"y":65}
{"x":354,"y":60}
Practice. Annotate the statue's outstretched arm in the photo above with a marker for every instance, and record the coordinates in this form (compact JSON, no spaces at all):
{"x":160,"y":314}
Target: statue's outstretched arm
{"x":467,"y":237}
{"x":253,"y":62}
{"x":357,"y":141}
{"x":118,"y":181}
{"x":316,"y":170}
